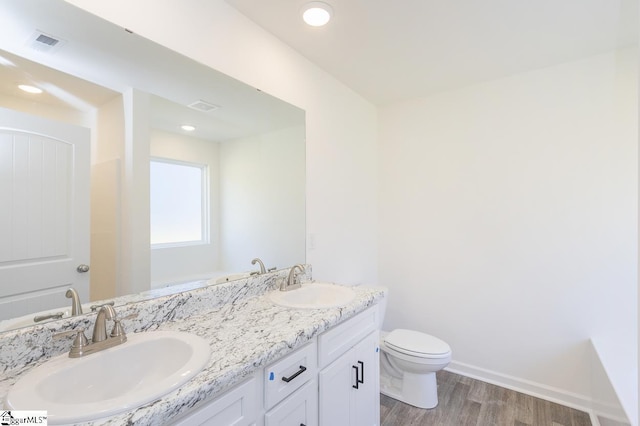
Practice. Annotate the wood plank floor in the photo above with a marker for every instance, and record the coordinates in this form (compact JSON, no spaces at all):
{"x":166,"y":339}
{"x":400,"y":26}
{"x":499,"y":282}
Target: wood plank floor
{"x":464,"y":402}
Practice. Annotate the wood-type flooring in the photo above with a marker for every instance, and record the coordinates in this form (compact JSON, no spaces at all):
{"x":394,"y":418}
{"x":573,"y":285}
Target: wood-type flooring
{"x":467,"y":402}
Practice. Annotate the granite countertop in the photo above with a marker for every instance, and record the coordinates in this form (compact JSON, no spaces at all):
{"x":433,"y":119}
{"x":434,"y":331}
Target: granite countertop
{"x":245,"y":335}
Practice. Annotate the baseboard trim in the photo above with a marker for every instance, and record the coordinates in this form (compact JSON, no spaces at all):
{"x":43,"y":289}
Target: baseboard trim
{"x":559,"y":396}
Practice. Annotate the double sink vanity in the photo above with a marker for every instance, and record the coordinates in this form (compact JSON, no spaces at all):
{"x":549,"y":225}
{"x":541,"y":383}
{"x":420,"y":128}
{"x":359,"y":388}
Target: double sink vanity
{"x":242,"y":352}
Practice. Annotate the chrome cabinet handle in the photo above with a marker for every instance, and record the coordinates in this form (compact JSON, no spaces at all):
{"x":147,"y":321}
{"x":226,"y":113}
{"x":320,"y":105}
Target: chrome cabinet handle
{"x":296,"y":374}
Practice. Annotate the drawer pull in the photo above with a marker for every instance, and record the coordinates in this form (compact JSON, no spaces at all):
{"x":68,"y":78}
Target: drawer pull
{"x":296,"y":374}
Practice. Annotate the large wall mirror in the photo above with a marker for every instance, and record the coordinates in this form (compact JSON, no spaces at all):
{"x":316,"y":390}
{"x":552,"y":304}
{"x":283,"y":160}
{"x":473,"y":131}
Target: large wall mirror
{"x":164,"y":207}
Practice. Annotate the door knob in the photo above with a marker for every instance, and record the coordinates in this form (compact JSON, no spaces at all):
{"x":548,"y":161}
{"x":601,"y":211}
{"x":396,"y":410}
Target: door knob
{"x":82,"y":268}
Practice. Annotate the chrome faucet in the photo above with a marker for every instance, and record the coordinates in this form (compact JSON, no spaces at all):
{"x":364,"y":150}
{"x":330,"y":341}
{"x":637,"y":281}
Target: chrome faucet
{"x":76,"y":308}
{"x":100,"y":340}
{"x":105,"y":313}
{"x":290,"y":283}
{"x":262,"y":269}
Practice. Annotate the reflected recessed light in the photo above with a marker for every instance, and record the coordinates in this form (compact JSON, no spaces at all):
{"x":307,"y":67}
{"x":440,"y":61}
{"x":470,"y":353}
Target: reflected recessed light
{"x":187,"y":128}
{"x":316,"y":13}
{"x":29,"y":89}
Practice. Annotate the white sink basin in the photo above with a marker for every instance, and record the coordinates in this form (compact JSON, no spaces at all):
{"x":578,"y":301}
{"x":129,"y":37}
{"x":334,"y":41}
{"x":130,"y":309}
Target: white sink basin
{"x":145,"y":367}
{"x":314,"y":296}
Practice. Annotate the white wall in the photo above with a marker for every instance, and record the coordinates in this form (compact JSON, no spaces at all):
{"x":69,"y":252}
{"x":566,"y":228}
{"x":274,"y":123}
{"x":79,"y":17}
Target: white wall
{"x":509,"y":223}
{"x":135,"y":265}
{"x":107,"y":154}
{"x":340,"y":126}
{"x":262,"y":202}
{"x":58,"y":113}
{"x":486,"y":194}
{"x":184,"y":263}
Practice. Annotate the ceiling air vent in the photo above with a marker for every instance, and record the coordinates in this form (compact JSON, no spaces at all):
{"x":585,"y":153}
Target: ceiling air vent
{"x":43,"y":42}
{"x":203,"y":106}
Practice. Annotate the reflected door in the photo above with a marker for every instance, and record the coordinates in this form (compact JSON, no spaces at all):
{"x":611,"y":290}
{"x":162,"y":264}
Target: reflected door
{"x":44,"y":213}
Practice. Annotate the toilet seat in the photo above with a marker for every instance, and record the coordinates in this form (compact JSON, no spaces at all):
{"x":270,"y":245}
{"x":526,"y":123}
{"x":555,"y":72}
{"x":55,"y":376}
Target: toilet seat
{"x":416,"y":344}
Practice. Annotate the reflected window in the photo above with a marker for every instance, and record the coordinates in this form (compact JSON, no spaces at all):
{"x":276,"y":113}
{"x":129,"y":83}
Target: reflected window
{"x":178,"y":203}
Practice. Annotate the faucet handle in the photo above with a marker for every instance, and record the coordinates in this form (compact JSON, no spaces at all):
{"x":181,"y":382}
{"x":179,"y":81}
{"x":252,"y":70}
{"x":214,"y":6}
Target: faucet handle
{"x":79,"y":342}
{"x":132,"y":315}
{"x":68,"y":333}
{"x":56,"y":315}
{"x":96,"y":307}
{"x":117,"y":330}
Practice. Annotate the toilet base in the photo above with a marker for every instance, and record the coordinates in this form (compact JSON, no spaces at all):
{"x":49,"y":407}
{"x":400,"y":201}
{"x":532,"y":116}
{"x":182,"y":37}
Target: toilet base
{"x":419,"y":390}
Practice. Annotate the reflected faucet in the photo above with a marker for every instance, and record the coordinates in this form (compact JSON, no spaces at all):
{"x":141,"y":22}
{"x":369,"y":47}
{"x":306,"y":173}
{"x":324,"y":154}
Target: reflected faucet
{"x":290,"y":283}
{"x":76,"y":308}
{"x":262,"y":269}
{"x":55,"y":315}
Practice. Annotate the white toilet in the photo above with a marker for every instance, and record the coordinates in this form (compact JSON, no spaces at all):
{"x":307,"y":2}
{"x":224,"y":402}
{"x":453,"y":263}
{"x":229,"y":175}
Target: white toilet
{"x":408,"y":364}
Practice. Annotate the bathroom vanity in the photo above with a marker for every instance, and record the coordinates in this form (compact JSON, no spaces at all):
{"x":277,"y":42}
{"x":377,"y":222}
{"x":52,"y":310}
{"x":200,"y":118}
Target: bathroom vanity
{"x":329,"y":357}
{"x":332,"y":380}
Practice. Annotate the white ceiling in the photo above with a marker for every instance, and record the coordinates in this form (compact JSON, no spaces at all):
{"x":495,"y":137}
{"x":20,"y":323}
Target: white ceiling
{"x":392,"y":50}
{"x":60,"y":89}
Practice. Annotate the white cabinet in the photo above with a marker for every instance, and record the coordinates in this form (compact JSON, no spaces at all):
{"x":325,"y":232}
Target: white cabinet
{"x":366,"y":396}
{"x":348,"y":355}
{"x":284,"y":376}
{"x":291,"y":389}
{"x":291,"y":392}
{"x":237,"y":407}
{"x":301,"y":408}
{"x":336,"y":341}
{"x":349,"y":388}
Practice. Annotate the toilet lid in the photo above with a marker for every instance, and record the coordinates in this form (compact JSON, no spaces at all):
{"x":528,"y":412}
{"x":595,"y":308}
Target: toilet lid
{"x":415,"y":343}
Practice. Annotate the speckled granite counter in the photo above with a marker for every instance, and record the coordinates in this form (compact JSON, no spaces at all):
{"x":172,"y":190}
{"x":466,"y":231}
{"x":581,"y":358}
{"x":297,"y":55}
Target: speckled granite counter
{"x":245,"y":329}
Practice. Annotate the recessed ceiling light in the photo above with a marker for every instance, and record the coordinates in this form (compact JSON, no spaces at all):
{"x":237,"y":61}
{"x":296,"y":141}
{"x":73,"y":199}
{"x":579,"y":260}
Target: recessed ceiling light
{"x":29,"y":89}
{"x":187,"y":128}
{"x":316,"y":13}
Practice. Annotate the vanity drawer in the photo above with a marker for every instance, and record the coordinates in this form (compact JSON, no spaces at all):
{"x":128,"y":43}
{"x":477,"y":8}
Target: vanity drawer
{"x":289,"y":373}
{"x":301,"y":408}
{"x":336,"y":341}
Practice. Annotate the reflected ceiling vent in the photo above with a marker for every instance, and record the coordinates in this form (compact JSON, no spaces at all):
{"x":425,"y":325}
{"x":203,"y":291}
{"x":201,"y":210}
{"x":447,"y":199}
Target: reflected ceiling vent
{"x":43,"y":42}
{"x":203,"y":106}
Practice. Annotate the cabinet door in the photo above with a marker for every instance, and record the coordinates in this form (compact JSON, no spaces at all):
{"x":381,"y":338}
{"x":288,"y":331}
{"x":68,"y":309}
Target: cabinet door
{"x":335,"y":383}
{"x":349,"y":387}
{"x":366,"y":398}
{"x":237,"y":407}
